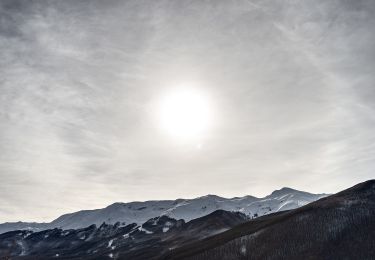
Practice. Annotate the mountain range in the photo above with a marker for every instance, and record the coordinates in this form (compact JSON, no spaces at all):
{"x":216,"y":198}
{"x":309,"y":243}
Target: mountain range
{"x":339,"y":226}
{"x":186,"y":209}
{"x":150,"y":240}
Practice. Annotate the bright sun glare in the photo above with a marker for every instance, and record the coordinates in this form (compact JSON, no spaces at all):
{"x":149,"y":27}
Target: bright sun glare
{"x":185,"y":114}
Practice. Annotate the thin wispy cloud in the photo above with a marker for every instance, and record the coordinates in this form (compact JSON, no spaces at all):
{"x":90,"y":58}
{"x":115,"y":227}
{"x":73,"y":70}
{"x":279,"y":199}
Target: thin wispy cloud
{"x":291,"y":85}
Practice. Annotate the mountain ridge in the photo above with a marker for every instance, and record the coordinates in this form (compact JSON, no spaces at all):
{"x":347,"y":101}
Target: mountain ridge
{"x":328,"y":228}
{"x":146,"y":241}
{"x":187,"y":209}
{"x":340,"y":226}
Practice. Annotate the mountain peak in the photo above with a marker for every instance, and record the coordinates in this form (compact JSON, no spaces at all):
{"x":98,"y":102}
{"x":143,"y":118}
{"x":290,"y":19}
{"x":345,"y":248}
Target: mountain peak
{"x":211,"y":196}
{"x":284,"y":190}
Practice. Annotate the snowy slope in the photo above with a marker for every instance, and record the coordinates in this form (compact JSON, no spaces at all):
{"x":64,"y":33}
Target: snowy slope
{"x":187,"y":209}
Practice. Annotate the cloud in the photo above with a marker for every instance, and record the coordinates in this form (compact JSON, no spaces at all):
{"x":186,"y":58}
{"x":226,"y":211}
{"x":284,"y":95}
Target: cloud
{"x":291,"y":84}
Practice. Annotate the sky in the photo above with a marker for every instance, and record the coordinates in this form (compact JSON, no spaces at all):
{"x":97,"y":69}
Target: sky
{"x":290,"y":86}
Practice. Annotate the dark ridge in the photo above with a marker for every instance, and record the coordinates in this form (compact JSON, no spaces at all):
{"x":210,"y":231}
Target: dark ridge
{"x":334,"y":227}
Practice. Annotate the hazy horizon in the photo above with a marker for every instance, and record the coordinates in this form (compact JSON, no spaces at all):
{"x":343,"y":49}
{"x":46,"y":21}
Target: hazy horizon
{"x":117,"y":101}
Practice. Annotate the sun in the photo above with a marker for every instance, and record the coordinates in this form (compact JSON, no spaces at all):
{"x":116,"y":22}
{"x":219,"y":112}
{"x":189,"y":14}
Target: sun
{"x":185,"y":114}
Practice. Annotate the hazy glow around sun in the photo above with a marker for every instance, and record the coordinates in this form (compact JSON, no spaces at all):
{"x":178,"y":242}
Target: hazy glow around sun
{"x":185,"y":113}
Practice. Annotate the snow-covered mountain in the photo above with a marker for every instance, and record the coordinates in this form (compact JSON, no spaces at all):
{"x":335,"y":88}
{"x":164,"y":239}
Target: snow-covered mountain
{"x":187,"y":209}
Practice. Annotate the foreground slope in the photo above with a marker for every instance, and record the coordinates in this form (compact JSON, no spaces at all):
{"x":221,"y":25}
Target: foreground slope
{"x":341,"y":226}
{"x":187,"y":209}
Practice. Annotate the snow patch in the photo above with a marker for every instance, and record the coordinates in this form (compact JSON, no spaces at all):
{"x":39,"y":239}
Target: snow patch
{"x":243,"y":250}
{"x":145,"y":230}
{"x":165,"y":229}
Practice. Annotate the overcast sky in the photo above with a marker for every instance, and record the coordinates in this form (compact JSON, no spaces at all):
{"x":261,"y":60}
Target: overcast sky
{"x":291,"y":87}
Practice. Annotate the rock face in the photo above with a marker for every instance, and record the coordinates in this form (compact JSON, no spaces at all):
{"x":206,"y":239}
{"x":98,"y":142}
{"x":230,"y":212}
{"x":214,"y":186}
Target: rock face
{"x":187,"y":209}
{"x":341,"y":226}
